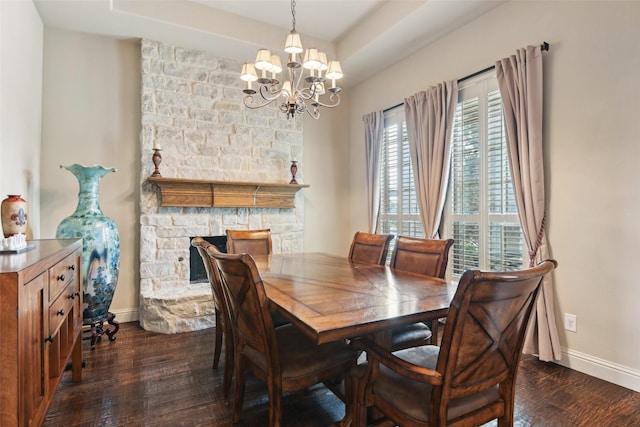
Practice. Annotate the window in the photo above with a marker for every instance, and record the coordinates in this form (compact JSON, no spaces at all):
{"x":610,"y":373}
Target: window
{"x":481,"y":215}
{"x":399,"y":212}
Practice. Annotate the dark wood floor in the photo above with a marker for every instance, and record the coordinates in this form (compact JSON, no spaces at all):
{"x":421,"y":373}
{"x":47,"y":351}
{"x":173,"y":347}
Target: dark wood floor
{"x":148,"y":379}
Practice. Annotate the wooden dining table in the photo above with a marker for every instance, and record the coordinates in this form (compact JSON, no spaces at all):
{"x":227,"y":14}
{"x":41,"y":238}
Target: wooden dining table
{"x":331,"y":298}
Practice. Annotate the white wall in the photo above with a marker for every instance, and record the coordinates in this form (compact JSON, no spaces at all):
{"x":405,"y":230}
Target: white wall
{"x":21,"y":106}
{"x":591,"y":137}
{"x":91,"y":115}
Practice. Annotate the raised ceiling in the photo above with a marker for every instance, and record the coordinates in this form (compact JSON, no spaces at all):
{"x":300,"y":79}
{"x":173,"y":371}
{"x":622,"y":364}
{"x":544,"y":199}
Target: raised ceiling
{"x":365,"y":35}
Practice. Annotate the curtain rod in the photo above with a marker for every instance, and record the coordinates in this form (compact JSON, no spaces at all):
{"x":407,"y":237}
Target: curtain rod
{"x":544,"y":47}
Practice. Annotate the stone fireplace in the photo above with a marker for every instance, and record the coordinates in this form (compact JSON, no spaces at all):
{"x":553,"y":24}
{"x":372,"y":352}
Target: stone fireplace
{"x":192,"y":109}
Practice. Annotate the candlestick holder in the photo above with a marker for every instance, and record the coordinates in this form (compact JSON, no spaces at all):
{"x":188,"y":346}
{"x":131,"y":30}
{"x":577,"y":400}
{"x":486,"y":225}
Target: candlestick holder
{"x":156,"y":158}
{"x":294,"y":170}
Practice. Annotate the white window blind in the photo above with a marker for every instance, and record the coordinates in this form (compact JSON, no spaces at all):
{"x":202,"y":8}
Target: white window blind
{"x":481,"y":214}
{"x":399,"y":212}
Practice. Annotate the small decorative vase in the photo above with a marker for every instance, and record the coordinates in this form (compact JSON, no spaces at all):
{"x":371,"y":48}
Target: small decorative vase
{"x":100,"y":243}
{"x":294,"y":171}
{"x":14,"y":215}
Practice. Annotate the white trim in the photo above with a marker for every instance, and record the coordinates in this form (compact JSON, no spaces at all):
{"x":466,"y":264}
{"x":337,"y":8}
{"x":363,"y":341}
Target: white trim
{"x":127,"y":315}
{"x":600,"y":368}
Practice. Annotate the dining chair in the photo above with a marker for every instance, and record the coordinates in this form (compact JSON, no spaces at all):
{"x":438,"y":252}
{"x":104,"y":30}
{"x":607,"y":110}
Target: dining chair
{"x":254,"y":242}
{"x":428,"y":257}
{"x":423,"y":256}
{"x":223,"y":324}
{"x":470,"y":379}
{"x":283,"y":358}
{"x":370,"y":248}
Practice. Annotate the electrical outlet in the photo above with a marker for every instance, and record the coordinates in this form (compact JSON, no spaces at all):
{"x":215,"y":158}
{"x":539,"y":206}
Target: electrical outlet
{"x":570,"y":322}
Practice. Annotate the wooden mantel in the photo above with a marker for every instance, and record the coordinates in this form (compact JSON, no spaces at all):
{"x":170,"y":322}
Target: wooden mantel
{"x":225,"y":194}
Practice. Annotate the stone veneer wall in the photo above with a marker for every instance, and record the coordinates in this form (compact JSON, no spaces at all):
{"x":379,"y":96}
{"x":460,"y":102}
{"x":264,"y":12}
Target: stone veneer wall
{"x":192,"y":108}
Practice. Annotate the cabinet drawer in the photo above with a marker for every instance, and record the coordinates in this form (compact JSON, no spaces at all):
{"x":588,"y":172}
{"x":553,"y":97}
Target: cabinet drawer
{"x":61,"y":307}
{"x":61,"y":274}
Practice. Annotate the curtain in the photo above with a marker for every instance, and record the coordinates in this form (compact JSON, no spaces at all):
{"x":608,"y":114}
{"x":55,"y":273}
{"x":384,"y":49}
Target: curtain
{"x":429,"y":115}
{"x":520,"y":82}
{"x":373,"y":137}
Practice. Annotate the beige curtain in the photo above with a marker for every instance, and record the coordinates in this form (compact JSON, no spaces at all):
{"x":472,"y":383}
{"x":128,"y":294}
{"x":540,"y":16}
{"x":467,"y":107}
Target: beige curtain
{"x":373,"y":138}
{"x":520,"y":82}
{"x":429,"y":117}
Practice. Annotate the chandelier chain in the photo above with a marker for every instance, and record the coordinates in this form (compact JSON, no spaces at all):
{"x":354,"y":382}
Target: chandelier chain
{"x":293,"y":14}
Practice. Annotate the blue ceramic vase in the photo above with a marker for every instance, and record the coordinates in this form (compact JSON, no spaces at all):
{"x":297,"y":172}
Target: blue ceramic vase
{"x":100,"y":243}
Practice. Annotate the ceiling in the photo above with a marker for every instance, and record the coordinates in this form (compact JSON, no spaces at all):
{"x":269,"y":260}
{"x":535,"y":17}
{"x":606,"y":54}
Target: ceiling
{"x":365,"y":35}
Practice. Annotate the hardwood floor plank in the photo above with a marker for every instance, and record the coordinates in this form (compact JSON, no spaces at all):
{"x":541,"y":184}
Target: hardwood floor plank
{"x":155,"y":380}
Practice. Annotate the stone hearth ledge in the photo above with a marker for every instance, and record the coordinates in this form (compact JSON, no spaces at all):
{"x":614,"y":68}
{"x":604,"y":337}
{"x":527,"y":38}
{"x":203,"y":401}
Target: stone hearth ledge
{"x":183,"y":308}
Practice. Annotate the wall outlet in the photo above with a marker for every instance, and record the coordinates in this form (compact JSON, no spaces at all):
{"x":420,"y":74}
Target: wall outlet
{"x":570,"y":322}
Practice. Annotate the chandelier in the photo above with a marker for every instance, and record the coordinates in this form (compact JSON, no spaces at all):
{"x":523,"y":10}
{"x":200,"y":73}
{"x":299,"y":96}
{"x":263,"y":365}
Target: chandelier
{"x":295,"y":95}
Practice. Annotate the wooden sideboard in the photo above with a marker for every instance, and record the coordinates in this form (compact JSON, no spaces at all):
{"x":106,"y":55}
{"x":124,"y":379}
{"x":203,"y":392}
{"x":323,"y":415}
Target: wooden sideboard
{"x":40,"y":327}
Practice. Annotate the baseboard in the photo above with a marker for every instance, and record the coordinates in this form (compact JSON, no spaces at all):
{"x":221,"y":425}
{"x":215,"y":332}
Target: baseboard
{"x":600,"y":368}
{"x":127,"y":315}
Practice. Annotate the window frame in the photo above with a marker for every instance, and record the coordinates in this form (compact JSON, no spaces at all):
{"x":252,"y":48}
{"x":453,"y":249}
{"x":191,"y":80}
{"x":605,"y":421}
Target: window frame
{"x":480,"y":87}
{"x":406,"y":223}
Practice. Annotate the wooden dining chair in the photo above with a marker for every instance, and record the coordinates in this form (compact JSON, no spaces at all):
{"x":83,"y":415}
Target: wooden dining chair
{"x":254,"y":242}
{"x":370,"y":248}
{"x":223,"y":324}
{"x":423,"y":256}
{"x":283,"y":358}
{"x":428,"y":257}
{"x":470,"y":379}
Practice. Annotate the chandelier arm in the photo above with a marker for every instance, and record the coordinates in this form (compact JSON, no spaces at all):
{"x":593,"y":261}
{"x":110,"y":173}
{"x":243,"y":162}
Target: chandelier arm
{"x":307,"y":93}
{"x":313,"y":113}
{"x":249,"y":102}
{"x":266,"y":93}
{"x":331,"y":98}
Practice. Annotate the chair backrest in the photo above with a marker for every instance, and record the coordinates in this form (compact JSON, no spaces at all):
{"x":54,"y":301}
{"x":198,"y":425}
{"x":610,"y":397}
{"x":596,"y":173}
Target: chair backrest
{"x":484,"y":333}
{"x":253,"y":242}
{"x":248,"y":306}
{"x":422,"y":256}
{"x":370,"y":248}
{"x":212,"y":273}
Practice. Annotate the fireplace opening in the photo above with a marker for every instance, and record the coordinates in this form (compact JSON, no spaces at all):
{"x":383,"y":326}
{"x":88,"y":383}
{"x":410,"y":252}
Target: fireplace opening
{"x":197,"y":272}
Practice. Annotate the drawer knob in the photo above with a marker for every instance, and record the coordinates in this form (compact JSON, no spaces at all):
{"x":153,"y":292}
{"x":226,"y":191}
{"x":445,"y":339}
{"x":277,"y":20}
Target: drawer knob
{"x":61,"y":277}
{"x":72,"y":267}
{"x":49,"y":338}
{"x":61,"y":312}
{"x":72,"y":296}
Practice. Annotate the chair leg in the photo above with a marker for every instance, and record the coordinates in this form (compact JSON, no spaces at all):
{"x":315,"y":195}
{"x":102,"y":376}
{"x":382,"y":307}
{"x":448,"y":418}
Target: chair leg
{"x":218,"y":340}
{"x":241,"y":377}
{"x":229,"y":354}
{"x":275,"y":404}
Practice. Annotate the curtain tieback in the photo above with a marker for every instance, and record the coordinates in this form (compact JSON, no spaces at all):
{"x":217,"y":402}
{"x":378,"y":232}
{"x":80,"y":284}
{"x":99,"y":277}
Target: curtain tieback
{"x":532,"y":254}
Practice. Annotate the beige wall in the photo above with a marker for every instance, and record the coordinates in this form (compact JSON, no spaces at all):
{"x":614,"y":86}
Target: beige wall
{"x":91,"y":115}
{"x":591,"y":137}
{"x":326,"y":169}
{"x":20,"y":106}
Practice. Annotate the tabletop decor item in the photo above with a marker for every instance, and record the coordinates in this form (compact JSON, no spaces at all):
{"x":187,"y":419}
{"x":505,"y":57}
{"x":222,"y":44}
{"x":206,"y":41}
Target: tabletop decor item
{"x":294,"y":171}
{"x":14,"y":215}
{"x":100,"y":249}
{"x":156,"y":158}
